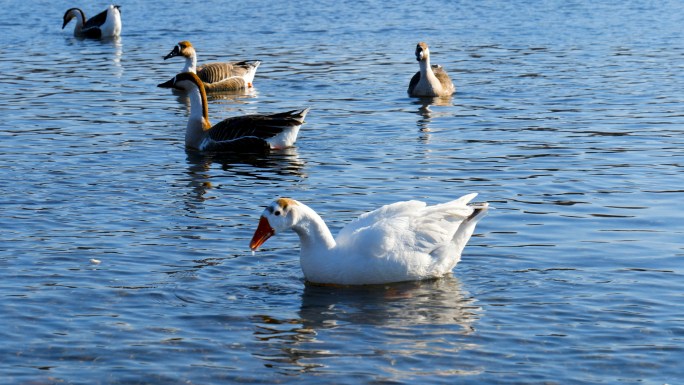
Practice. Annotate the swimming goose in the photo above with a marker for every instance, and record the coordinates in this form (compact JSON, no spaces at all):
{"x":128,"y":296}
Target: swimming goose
{"x":105,"y":24}
{"x":431,"y":80}
{"x":403,"y":241}
{"x":223,"y":76}
{"x":240,"y":133}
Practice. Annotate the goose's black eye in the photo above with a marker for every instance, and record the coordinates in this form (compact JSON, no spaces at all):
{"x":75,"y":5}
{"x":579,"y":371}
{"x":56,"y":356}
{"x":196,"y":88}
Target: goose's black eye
{"x":277,"y":213}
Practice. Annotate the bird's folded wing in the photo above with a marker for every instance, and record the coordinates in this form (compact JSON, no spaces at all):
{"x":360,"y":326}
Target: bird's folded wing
{"x":96,"y":21}
{"x":256,"y":126}
{"x":216,"y":72}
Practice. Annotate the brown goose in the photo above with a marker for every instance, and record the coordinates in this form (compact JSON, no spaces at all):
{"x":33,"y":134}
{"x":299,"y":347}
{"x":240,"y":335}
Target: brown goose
{"x":431,"y":80}
{"x":241,"y":133}
{"x":221,"y":76}
{"x":105,"y":24}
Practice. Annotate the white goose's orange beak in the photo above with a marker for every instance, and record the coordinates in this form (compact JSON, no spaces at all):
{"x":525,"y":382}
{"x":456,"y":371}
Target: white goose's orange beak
{"x":262,"y":233}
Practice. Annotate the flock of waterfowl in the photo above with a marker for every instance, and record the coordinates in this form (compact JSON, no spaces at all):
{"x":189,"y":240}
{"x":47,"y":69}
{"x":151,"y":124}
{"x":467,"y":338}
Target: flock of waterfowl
{"x":402,"y":241}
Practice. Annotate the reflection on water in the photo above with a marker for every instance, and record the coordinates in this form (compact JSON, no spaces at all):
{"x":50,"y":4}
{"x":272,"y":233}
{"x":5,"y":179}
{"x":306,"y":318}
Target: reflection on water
{"x":110,"y":49}
{"x":436,"y":302}
{"x":329,"y":316}
{"x":243,"y":96}
{"x":229,"y":98}
{"x":284,"y":163}
{"x":118,"y":51}
{"x":427,"y":114}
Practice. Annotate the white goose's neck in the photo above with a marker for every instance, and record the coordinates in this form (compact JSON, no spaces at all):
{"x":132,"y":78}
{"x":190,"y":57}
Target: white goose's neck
{"x":314,"y":235}
{"x":194,"y":132}
{"x":190,"y":63}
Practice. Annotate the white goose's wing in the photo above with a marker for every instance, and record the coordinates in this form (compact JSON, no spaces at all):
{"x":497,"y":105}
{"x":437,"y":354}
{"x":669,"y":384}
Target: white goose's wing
{"x":406,"y":230}
{"x":366,"y":220}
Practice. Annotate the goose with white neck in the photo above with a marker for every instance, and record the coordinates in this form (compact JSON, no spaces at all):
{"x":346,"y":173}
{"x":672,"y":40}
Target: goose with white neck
{"x":403,"y":241}
{"x":105,"y":24}
{"x":431,"y":80}
{"x":219,"y":76}
{"x":241,"y":133}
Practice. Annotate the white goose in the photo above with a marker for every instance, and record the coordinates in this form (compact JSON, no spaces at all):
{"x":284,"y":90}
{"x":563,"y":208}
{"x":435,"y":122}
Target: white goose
{"x":241,"y":133}
{"x":105,"y":24}
{"x":431,"y":80}
{"x":221,"y":76}
{"x":403,"y":241}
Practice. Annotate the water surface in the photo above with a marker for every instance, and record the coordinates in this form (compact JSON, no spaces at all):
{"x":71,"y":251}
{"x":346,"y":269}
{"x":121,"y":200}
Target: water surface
{"x":567,"y":119}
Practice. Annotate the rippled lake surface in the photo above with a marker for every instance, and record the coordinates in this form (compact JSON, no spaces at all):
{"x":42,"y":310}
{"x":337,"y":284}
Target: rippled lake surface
{"x":568,"y":119}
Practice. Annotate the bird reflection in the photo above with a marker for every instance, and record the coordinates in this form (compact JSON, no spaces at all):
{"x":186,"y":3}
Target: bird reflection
{"x":426,"y":114}
{"x":246,"y":165}
{"x":235,"y":96}
{"x":331,"y":314}
{"x":240,"y":96}
{"x":118,"y":52}
{"x":102,"y":48}
{"x":439,"y":301}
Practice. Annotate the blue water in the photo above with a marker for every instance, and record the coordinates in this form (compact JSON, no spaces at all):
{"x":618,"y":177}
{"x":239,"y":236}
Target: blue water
{"x":567,"y":119}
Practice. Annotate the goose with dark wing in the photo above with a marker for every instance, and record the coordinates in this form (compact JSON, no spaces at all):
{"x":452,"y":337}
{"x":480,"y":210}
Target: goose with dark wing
{"x":105,"y":24}
{"x":240,"y":133}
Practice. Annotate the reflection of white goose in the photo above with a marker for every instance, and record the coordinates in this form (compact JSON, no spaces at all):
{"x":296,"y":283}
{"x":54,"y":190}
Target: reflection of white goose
{"x":438,"y":307}
{"x":431,"y":80}
{"x":105,"y":24}
{"x":241,"y":133}
{"x":220,"y":76}
{"x":403,"y":241}
{"x":436,"y":302}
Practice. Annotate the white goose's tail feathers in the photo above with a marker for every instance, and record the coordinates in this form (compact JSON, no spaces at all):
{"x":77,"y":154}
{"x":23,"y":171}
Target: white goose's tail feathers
{"x":464,"y":199}
{"x":456,"y":210}
{"x":454,"y":228}
{"x":479,"y":211}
